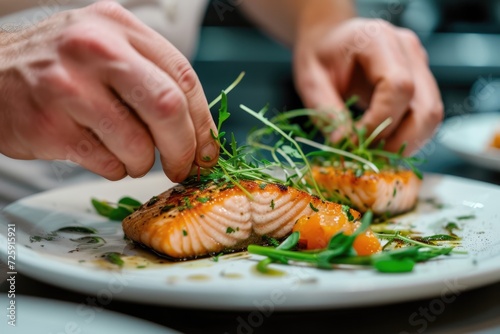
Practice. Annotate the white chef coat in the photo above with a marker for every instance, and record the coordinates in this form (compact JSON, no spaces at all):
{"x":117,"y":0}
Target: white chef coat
{"x":177,"y":20}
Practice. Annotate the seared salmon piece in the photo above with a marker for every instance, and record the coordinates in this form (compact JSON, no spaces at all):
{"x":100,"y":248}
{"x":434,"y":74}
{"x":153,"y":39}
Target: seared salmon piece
{"x":387,"y":192}
{"x":198,"y":219}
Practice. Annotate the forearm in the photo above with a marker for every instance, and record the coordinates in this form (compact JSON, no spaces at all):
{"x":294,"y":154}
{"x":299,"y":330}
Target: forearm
{"x":287,"y":20}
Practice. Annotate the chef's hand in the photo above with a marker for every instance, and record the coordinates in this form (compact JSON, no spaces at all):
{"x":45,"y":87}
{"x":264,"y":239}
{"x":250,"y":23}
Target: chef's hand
{"x":385,"y":66}
{"x":98,"y":87}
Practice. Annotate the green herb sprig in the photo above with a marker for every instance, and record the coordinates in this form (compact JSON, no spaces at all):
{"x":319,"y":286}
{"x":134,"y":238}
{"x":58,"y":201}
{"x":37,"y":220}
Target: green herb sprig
{"x":236,"y":162}
{"x":355,"y":151}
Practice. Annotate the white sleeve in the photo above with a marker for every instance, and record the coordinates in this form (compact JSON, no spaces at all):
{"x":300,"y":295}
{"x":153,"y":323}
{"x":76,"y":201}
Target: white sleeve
{"x":178,"y":20}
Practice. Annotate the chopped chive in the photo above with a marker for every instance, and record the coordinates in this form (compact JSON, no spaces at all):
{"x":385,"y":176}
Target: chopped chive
{"x":313,"y":207}
{"x":203,"y":199}
{"x":347,"y":210}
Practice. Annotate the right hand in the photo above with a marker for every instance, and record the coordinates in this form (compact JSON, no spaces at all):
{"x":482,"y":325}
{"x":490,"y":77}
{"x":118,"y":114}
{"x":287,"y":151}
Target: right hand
{"x":98,"y":87}
{"x":384,"y":65}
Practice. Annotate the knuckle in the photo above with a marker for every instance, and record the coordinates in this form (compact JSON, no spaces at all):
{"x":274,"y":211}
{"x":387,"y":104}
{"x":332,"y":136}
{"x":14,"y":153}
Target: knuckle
{"x":111,"y":168}
{"x":108,"y":8}
{"x":138,"y":142}
{"x":384,"y":24}
{"x":58,"y":81}
{"x":186,"y":76}
{"x":411,"y":38}
{"x":401,"y":84}
{"x":170,"y":103}
{"x":436,"y":114}
{"x":86,"y":39}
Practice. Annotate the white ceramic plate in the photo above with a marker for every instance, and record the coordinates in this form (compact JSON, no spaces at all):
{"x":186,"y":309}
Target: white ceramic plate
{"x":40,"y":315}
{"x":232,"y":282}
{"x":470,"y":135}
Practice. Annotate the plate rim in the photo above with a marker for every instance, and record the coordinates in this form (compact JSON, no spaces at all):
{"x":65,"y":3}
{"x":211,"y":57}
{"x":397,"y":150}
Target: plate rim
{"x":478,"y":158}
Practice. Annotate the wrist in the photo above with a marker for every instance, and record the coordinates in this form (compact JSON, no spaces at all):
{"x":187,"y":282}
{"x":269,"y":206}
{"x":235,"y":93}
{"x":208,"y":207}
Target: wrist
{"x":320,"y":17}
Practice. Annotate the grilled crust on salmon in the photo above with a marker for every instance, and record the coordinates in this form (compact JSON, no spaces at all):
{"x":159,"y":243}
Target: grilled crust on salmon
{"x":387,"y":192}
{"x":199,"y":219}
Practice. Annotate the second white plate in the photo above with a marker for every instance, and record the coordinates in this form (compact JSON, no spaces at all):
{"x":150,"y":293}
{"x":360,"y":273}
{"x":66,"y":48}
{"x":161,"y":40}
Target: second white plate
{"x":470,"y":135}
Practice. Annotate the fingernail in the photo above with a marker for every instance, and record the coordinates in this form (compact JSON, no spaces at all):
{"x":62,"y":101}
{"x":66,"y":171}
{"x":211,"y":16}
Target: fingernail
{"x":209,"y":152}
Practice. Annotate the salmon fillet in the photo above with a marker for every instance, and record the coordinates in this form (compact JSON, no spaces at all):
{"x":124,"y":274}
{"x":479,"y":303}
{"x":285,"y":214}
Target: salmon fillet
{"x":387,"y":192}
{"x":198,"y":219}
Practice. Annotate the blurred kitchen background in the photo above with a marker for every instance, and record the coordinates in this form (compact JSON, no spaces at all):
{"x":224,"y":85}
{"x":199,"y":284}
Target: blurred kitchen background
{"x":462,"y":38}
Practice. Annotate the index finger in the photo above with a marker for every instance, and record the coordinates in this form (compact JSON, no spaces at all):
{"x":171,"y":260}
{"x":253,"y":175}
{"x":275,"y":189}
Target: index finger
{"x":388,"y":69}
{"x":152,"y":46}
{"x":169,"y":59}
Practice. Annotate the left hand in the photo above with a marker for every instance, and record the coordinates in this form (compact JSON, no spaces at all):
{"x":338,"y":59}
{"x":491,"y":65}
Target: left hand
{"x":385,"y":66}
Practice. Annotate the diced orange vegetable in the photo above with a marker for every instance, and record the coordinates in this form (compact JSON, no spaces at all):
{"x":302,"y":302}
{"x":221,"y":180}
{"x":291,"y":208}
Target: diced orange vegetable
{"x":317,"y":229}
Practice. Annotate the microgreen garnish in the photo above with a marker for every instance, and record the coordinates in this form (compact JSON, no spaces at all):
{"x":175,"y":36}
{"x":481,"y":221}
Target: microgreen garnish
{"x":354,"y":151}
{"x":228,"y":89}
{"x":326,"y":148}
{"x":235,"y":162}
{"x":295,"y":170}
{"x":116,"y":211}
{"x":184,"y":233}
{"x":230,"y":230}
